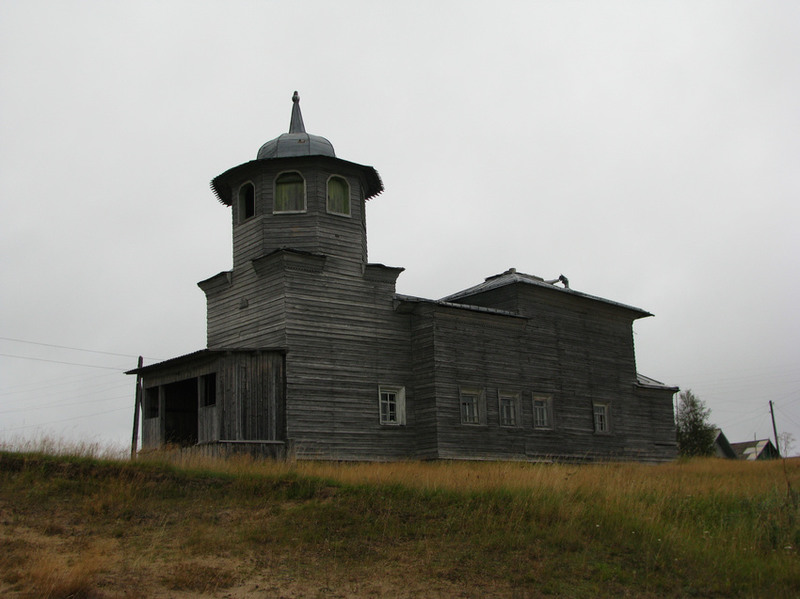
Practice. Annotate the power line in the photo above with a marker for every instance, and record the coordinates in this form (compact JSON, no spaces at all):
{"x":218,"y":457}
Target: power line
{"x":55,"y":400}
{"x":120,"y":369}
{"x":60,"y":380}
{"x":7,"y":430}
{"x":786,"y":415}
{"x":80,"y":384}
{"x":63,"y":405}
{"x":91,"y":351}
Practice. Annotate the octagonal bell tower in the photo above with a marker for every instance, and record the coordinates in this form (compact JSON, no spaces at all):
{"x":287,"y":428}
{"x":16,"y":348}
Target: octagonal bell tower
{"x":299,"y":241}
{"x":298,"y":195}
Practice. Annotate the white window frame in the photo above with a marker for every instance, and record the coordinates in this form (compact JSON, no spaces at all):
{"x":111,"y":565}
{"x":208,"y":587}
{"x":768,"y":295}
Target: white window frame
{"x":477,"y":415}
{"x":601,"y":417}
{"x":275,"y":194}
{"x":349,"y":198}
{"x":388,"y":395}
{"x":536,"y":402}
{"x":511,"y":398}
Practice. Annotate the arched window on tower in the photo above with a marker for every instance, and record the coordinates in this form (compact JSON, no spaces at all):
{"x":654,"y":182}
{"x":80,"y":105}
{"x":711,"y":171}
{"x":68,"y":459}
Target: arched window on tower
{"x":338,"y":196}
{"x":290,"y":193}
{"x":247,"y":201}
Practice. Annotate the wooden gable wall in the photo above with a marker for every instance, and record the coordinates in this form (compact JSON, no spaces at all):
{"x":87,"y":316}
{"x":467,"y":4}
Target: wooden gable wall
{"x":575,"y":352}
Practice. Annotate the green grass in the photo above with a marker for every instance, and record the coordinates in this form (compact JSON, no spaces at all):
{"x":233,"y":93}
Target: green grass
{"x":81,"y":526}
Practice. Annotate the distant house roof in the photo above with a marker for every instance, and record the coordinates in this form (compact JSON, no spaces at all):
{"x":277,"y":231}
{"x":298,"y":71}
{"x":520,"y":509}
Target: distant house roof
{"x":511,"y":277}
{"x":722,"y":448}
{"x":761,"y":449}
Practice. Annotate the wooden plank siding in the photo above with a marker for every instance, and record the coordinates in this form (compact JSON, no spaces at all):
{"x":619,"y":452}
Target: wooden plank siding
{"x":249,"y":393}
{"x":249,"y":313}
{"x":345,"y":340}
{"x":302,"y":332}
{"x":573,"y":351}
{"x":314,"y":230}
{"x":253,"y":397}
{"x":425,"y":408}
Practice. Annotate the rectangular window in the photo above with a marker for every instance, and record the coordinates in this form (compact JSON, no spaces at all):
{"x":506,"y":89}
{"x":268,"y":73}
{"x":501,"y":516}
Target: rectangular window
{"x":473,"y":410}
{"x":392,"y":405}
{"x":151,"y":402}
{"x":508,"y":406}
{"x":601,"y":421}
{"x":542,"y":411}
{"x":208,"y":389}
{"x":469,"y":408}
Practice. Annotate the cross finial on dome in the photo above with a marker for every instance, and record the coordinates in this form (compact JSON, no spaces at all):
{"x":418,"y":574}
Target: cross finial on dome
{"x":296,"y":124}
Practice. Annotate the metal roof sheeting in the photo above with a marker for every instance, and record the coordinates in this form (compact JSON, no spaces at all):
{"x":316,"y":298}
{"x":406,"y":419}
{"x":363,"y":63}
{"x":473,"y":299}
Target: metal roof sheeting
{"x":646,"y":381}
{"x":409,"y":299}
{"x":295,"y":144}
{"x":511,"y":277}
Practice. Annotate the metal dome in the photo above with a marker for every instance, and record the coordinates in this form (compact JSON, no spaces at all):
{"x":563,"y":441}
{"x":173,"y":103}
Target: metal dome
{"x":297,"y":142}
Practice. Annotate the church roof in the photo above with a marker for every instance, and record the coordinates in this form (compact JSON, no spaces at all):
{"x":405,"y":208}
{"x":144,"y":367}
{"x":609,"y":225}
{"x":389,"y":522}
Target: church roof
{"x":296,"y":142}
{"x":511,"y":277}
{"x":646,"y":381}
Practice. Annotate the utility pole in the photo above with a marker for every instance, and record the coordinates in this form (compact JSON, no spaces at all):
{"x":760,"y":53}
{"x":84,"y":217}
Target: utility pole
{"x":774,"y":430}
{"x":138,"y":403}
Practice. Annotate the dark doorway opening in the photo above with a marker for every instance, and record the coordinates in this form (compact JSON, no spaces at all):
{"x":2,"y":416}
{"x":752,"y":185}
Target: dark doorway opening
{"x":180,"y":407}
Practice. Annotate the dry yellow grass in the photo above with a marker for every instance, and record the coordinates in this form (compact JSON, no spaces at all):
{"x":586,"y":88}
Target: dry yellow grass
{"x":612,"y":479}
{"x":176,"y":524}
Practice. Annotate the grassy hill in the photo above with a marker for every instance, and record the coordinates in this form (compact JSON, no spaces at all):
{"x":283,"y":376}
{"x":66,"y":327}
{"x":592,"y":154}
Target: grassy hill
{"x":93,"y":528}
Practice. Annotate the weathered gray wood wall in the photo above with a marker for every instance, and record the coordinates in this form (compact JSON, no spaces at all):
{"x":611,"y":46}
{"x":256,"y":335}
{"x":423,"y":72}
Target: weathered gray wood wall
{"x":253,"y":398}
{"x":574,"y":350}
{"x":314,"y":230}
{"x":250,"y":400}
{"x":301,"y":282}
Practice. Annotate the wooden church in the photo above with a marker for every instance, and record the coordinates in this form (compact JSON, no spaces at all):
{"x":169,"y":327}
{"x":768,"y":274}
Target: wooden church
{"x":312,"y":353}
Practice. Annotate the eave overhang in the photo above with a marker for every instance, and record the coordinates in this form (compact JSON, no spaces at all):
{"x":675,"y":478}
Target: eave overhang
{"x":199,"y":356}
{"x":645,"y":382}
{"x":407,"y":303}
{"x":221,"y":184}
{"x":513,"y":278}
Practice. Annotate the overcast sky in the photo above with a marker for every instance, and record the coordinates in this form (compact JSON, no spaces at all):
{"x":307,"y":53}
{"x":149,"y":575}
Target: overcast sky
{"x":649,"y":151}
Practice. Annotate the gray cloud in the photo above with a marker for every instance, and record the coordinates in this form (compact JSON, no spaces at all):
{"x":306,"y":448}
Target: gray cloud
{"x":646,"y":151}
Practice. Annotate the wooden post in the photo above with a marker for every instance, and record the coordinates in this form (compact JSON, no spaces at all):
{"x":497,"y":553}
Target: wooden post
{"x":138,"y":403}
{"x":774,"y":430}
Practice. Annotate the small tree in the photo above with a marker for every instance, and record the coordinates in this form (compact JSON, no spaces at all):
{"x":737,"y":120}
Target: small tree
{"x":786,"y":441}
{"x":695,"y":433}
